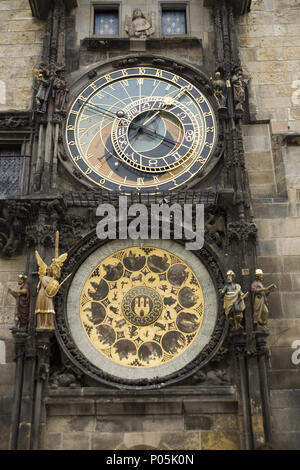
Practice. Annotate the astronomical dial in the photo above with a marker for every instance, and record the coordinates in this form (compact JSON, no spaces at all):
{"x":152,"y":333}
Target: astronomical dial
{"x":142,"y":307}
{"x":140,"y":128}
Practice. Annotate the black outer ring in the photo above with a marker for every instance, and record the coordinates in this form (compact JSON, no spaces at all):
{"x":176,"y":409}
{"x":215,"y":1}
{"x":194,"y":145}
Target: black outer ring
{"x":65,"y":340}
{"x":80,"y":80}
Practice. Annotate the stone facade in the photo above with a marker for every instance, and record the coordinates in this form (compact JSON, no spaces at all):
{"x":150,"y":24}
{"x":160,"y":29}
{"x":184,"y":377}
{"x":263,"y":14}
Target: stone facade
{"x":21,"y":42}
{"x":269,"y":44}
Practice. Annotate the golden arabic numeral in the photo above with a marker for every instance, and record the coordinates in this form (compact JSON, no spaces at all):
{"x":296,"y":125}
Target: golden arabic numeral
{"x":207,"y":114}
{"x":102,"y":181}
{"x":88,"y":171}
{"x":142,"y":70}
{"x":210,"y":146}
{"x":92,"y":85}
{"x":175,"y":79}
{"x":72,"y":142}
{"x":70,"y":128}
{"x":189,"y":87}
{"x":74,"y":112}
{"x":82,"y":98}
{"x":78,"y":157}
{"x":210,"y":129}
{"x":108,"y":78}
{"x":201,"y":160}
{"x":200,"y":100}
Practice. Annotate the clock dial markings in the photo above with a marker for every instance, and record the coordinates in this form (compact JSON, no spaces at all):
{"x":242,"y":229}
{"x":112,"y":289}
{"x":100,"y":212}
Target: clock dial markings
{"x":166,"y":138}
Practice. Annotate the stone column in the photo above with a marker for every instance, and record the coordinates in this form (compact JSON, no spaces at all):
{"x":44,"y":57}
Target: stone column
{"x":20,"y":338}
{"x":43,"y":341}
{"x":238,"y":338}
{"x":262,"y":354}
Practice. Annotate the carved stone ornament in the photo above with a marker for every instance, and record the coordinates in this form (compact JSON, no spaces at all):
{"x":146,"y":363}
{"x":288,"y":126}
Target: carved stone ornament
{"x":139,"y":26}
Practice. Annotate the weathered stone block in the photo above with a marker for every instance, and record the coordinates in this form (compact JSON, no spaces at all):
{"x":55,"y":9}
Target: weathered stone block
{"x":270,"y":264}
{"x":287,"y":419}
{"x":256,"y":161}
{"x":281,"y":358}
{"x":282,"y":380}
{"x":286,"y":440}
{"x":76,"y":441}
{"x":71,"y":424}
{"x":211,"y":440}
{"x":53,"y":441}
{"x":285,"y":399}
{"x":74,"y":408}
{"x":139,"y":423}
{"x":290,"y":304}
{"x":7,"y":374}
{"x":226,"y":422}
{"x":200,"y":422}
{"x":191,"y":407}
{"x":139,"y":408}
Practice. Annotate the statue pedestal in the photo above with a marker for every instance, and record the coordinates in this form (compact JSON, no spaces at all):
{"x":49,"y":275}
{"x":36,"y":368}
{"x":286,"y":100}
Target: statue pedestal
{"x":137,"y":45}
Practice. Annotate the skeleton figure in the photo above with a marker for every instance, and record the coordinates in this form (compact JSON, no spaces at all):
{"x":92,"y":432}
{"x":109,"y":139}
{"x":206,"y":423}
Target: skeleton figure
{"x":41,"y":98}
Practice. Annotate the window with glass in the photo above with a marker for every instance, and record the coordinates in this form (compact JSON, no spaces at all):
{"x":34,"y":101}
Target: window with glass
{"x":174,"y":22}
{"x":10,"y":170}
{"x":106,"y":22}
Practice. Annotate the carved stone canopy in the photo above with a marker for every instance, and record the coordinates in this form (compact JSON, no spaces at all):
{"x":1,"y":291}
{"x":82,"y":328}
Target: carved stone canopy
{"x":240,"y":7}
{"x":40,"y":8}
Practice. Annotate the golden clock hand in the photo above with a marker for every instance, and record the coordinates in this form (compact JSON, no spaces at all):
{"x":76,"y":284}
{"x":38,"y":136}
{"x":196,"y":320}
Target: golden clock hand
{"x":106,"y":112}
{"x":150,"y":118}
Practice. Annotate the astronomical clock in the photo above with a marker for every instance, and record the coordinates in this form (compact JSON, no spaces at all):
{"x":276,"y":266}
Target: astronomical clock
{"x":140,"y":312}
{"x":140,"y":128}
{"x":146,"y":313}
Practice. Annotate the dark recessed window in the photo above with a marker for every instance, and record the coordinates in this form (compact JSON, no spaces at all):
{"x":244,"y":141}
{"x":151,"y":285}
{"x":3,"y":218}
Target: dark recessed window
{"x":173,"y":22}
{"x":10,"y":169}
{"x":106,"y":22}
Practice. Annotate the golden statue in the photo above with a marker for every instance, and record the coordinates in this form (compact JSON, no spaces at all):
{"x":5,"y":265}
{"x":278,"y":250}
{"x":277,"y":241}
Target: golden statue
{"x":47,"y":288}
{"x":259,"y":299}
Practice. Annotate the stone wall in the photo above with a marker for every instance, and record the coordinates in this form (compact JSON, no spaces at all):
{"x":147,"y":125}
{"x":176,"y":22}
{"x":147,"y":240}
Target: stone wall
{"x":270,"y":49}
{"x":9,"y":270}
{"x":21,"y":39}
{"x":207,"y":420}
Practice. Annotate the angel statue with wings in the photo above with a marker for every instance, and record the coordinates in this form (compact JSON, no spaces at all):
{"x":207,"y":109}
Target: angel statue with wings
{"x":47,"y":288}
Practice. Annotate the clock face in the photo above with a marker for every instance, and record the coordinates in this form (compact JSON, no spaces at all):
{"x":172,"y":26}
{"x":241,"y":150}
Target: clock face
{"x":140,"y":128}
{"x":141,"y":312}
{"x":142,"y":307}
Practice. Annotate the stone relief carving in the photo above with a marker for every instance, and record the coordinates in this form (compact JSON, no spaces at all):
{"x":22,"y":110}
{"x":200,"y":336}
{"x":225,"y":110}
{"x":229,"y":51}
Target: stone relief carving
{"x":139,"y":26}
